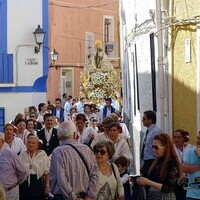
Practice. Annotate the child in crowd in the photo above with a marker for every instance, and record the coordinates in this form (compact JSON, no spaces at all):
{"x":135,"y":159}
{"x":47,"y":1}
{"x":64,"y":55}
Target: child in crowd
{"x":122,"y":164}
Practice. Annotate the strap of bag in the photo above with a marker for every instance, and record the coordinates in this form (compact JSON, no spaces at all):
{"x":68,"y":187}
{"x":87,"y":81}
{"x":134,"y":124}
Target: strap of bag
{"x":81,"y":156}
{"x":113,"y":171}
{"x":116,"y":192}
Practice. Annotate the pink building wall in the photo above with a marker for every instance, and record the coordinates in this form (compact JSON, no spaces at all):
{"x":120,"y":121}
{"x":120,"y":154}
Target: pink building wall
{"x":69,"y":21}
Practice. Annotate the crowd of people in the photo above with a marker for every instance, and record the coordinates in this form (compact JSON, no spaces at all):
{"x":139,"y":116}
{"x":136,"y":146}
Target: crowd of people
{"x":170,"y":167}
{"x":82,"y":150}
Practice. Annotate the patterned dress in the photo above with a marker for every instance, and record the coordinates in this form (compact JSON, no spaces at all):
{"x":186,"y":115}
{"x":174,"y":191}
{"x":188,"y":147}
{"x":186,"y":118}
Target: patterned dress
{"x":168,"y":184}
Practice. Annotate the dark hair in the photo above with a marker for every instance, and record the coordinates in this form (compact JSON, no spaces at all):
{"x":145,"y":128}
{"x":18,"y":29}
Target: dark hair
{"x":108,"y":99}
{"x":81,"y":116}
{"x":47,"y":115}
{"x":73,"y":108}
{"x":121,"y":160}
{"x":183,"y":133}
{"x":34,"y":113}
{"x":170,"y":154}
{"x":114,"y":124}
{"x":69,"y":98}
{"x":64,"y":95}
{"x":30,"y":120}
{"x":32,"y":109}
{"x":109,"y":147}
{"x":58,"y":99}
{"x":20,"y":120}
{"x":107,"y":120}
{"x":40,"y":106}
{"x":88,"y":105}
{"x":151,"y":115}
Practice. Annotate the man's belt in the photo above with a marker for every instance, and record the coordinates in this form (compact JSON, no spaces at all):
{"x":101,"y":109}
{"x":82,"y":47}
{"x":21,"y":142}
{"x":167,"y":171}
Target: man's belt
{"x":11,"y":187}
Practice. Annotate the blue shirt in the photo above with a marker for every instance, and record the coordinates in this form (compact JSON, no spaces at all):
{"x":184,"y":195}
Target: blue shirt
{"x":153,"y":130}
{"x":192,"y":158}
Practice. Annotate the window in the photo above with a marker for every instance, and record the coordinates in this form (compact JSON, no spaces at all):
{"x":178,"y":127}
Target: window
{"x":6,"y":60}
{"x":66,"y":85}
{"x":2,"y":118}
{"x":153,"y":71}
{"x":89,"y":46}
{"x":109,"y":35}
{"x":6,"y":68}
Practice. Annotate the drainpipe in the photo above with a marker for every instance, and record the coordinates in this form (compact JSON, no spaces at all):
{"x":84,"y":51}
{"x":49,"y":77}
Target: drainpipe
{"x":160,"y":64}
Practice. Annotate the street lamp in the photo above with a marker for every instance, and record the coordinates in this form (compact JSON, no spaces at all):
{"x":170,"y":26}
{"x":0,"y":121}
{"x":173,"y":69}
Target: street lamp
{"x":39,"y":38}
{"x":54,"y":56}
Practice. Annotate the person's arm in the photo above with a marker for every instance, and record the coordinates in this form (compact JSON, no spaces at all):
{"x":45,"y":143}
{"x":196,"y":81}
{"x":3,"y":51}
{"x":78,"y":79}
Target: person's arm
{"x":19,"y":166}
{"x":93,"y":178}
{"x":147,"y":182}
{"x":47,"y":183}
{"x":168,"y":183}
{"x":125,"y":178}
{"x":189,"y":168}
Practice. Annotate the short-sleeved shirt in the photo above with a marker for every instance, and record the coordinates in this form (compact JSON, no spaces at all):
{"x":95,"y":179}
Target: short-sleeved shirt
{"x":193,"y":187}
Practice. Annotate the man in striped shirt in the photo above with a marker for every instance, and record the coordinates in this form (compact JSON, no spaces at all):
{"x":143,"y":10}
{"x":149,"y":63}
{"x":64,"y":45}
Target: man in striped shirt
{"x":73,"y":171}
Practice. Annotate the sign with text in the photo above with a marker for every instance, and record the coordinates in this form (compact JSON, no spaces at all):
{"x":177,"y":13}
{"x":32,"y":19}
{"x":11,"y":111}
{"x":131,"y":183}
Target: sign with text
{"x":31,"y":61}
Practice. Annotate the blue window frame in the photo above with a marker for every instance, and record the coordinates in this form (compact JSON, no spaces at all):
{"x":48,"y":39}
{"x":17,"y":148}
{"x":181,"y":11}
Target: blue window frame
{"x":2,"y":118}
{"x":6,"y":68}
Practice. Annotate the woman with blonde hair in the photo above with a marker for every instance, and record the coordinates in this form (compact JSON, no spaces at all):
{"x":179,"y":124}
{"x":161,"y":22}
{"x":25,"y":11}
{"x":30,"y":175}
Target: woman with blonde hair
{"x":37,"y":184}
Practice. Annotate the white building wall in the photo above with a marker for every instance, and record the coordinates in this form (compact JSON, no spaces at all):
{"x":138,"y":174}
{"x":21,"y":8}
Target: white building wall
{"x":23,"y":17}
{"x":136,"y":27}
{"x":16,"y":102}
{"x":22,"y":20}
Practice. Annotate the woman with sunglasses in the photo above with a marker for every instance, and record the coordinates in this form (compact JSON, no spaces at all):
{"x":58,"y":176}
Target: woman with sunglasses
{"x":164,"y":171}
{"x":110,"y":186}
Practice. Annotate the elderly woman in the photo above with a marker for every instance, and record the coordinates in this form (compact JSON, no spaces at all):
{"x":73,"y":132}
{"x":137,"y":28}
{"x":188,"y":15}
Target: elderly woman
{"x":11,"y":141}
{"x":110,"y":186}
{"x":12,"y":171}
{"x":164,"y":171}
{"x":37,"y":184}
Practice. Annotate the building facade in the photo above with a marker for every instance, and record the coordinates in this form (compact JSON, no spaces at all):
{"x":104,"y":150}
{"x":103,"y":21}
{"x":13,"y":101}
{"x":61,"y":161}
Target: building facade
{"x":160,"y":65}
{"x":23,"y":72}
{"x":75,"y":25}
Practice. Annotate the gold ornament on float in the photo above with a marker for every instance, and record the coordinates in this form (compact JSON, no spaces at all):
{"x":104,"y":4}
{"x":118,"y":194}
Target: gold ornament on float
{"x":99,"y":78}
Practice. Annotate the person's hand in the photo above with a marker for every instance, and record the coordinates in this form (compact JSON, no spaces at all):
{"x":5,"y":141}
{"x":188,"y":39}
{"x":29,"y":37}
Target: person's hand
{"x":183,"y":179}
{"x":91,"y":136}
{"x":87,"y":198}
{"x":120,"y":198}
{"x":46,"y":190}
{"x":142,"y":181}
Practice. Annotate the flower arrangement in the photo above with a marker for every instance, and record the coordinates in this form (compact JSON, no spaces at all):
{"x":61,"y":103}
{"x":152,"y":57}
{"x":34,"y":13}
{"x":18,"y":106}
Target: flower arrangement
{"x":97,"y":93}
{"x":98,"y":78}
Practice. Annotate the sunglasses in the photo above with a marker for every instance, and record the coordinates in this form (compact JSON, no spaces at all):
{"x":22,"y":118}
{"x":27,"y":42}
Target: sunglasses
{"x":155,"y":147}
{"x":32,"y":116}
{"x":102,"y":152}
